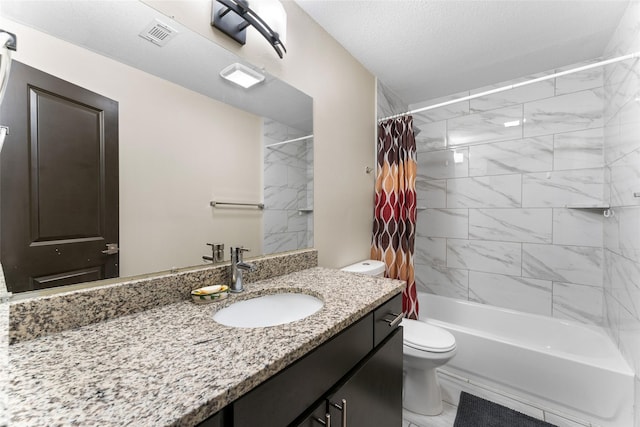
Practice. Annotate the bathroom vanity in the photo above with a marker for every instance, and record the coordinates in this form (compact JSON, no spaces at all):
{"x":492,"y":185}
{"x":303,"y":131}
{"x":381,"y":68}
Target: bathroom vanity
{"x":174,"y":365}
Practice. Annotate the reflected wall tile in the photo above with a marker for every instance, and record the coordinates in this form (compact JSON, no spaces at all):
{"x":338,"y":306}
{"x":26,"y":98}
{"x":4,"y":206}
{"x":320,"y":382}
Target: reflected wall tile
{"x":625,"y":180}
{"x":453,"y":223}
{"x":431,"y":251}
{"x":486,"y":191}
{"x":274,"y":131}
{"x":490,"y":257}
{"x":584,"y":187}
{"x":275,"y":221}
{"x":522,"y":155}
{"x":578,"y":150}
{"x":280,"y":198}
{"x":297,"y":177}
{"x":575,"y":111}
{"x":577,"y":227}
{"x":296,"y":221}
{"x":447,"y":282}
{"x":485,"y":127}
{"x":431,"y":193}
{"x":575,"y":82}
{"x":280,"y":242}
{"x":516,"y":293}
{"x":511,"y":225}
{"x":442,"y":113}
{"x":430,"y":135}
{"x":572,"y":264}
{"x":629,"y":223}
{"x":442,"y":164}
{"x":520,"y":95}
{"x":578,"y":302}
{"x":275,"y":174}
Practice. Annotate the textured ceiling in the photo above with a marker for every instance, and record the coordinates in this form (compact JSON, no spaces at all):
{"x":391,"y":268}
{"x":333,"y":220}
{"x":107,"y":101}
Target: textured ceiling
{"x":423,"y":49}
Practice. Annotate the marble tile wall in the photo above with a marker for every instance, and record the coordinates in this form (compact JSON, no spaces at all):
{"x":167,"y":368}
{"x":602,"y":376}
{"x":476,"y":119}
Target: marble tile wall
{"x":288,"y":189}
{"x":621,"y":252}
{"x":502,"y":184}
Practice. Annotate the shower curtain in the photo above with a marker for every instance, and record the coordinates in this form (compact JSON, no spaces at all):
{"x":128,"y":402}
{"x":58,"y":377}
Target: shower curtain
{"x":394,"y":221}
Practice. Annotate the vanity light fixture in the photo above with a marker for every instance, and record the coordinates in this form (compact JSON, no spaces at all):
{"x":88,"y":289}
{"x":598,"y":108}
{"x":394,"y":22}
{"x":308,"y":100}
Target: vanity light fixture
{"x":235,"y":24}
{"x":241,"y":75}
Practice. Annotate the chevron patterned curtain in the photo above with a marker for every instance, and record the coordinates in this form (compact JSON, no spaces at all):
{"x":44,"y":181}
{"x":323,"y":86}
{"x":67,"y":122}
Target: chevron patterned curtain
{"x":395,"y":206}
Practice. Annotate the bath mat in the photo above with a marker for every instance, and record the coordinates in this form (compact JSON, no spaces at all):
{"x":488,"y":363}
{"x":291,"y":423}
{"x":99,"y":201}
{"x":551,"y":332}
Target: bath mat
{"x":474,"y":411}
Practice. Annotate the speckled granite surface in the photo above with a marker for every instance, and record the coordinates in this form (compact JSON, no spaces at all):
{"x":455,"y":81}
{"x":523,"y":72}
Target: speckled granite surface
{"x":4,"y":352}
{"x":173,"y":365}
{"x":40,"y":316}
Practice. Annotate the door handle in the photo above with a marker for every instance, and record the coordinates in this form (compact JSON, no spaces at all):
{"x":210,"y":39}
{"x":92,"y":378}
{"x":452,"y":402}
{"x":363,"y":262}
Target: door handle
{"x":112,"y":249}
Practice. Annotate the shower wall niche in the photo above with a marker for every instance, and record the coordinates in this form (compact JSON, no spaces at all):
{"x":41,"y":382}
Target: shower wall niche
{"x":288,"y":188}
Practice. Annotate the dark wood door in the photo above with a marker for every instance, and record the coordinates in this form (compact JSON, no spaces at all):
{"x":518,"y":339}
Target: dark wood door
{"x":58,"y":182}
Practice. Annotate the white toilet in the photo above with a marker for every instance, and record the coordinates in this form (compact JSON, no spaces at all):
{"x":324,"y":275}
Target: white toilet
{"x":425,"y":348}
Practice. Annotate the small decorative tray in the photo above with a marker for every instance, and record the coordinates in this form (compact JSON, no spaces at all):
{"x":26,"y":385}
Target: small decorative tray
{"x":210,"y":293}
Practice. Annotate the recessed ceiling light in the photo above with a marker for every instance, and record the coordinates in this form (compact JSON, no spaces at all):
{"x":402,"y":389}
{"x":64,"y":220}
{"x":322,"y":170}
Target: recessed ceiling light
{"x":241,"y":75}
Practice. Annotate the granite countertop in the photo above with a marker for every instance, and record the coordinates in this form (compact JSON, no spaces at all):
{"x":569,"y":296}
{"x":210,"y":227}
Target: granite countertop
{"x":173,"y":365}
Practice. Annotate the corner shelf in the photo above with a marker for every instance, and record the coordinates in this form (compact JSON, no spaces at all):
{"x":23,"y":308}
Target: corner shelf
{"x":602,"y":207}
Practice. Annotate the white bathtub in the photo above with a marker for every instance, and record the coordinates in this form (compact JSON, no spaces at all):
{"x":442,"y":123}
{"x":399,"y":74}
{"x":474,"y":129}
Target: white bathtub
{"x":560,"y":365}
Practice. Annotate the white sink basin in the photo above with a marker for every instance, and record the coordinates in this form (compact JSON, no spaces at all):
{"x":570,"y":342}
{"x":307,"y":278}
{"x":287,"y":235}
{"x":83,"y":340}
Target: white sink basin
{"x":268,"y":310}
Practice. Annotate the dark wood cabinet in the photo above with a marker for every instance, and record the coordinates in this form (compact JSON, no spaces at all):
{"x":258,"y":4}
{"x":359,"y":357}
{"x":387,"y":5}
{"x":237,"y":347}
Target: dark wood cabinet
{"x":372,"y":395}
{"x":362,"y":365}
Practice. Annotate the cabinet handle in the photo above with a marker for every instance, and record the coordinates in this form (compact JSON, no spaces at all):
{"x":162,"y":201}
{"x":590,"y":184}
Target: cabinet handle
{"x":342,"y":408}
{"x":325,"y":422}
{"x":396,"y":321}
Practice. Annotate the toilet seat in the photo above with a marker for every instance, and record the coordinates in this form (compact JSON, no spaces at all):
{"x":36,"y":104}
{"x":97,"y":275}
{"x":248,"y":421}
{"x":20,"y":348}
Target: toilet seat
{"x":424,"y":337}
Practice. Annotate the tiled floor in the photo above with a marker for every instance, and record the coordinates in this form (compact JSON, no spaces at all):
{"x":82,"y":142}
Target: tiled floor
{"x":445,"y":419}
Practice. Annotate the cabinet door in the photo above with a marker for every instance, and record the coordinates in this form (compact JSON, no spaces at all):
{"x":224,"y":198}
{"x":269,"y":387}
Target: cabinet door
{"x":318,"y":418}
{"x":373,"y":395}
{"x":280,"y":400}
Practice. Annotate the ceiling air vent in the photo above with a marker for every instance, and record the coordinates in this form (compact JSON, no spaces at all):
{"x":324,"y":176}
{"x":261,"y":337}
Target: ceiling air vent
{"x":158,"y":33}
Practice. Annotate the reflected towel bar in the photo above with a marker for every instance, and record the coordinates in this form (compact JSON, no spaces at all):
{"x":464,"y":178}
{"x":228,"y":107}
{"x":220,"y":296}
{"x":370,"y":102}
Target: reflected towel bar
{"x":213,"y":204}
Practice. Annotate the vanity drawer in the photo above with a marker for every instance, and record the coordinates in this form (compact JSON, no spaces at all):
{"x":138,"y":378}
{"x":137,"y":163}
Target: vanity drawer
{"x":383,"y":317}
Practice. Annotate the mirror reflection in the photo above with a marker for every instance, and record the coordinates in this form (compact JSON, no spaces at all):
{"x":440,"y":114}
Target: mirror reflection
{"x":186,"y":137}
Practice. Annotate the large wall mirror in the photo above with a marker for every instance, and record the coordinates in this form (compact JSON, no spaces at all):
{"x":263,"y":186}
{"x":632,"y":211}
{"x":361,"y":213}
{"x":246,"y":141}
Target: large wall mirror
{"x":187,"y":137}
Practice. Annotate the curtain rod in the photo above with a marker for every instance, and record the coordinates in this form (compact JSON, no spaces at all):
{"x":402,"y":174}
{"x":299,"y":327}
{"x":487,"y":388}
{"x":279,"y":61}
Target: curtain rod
{"x":302,"y":138}
{"x":516,"y":85}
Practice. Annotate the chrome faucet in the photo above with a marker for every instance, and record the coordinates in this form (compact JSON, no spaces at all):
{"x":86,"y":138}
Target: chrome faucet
{"x":238,"y":267}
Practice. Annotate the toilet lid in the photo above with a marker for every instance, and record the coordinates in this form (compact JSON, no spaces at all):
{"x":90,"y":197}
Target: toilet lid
{"x":425,"y":337}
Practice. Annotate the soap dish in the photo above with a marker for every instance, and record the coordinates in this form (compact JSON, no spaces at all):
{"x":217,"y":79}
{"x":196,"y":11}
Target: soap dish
{"x":210,"y":293}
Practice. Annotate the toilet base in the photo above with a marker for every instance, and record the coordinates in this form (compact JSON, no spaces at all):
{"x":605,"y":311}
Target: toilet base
{"x":417,"y":419}
{"x":421,"y":393}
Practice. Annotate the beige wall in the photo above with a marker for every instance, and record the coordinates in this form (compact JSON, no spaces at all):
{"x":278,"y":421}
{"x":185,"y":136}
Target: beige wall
{"x":175,"y":156}
{"x":344,"y":120}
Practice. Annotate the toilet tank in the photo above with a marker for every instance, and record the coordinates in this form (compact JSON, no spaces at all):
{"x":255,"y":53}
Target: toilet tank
{"x":369,"y":267}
